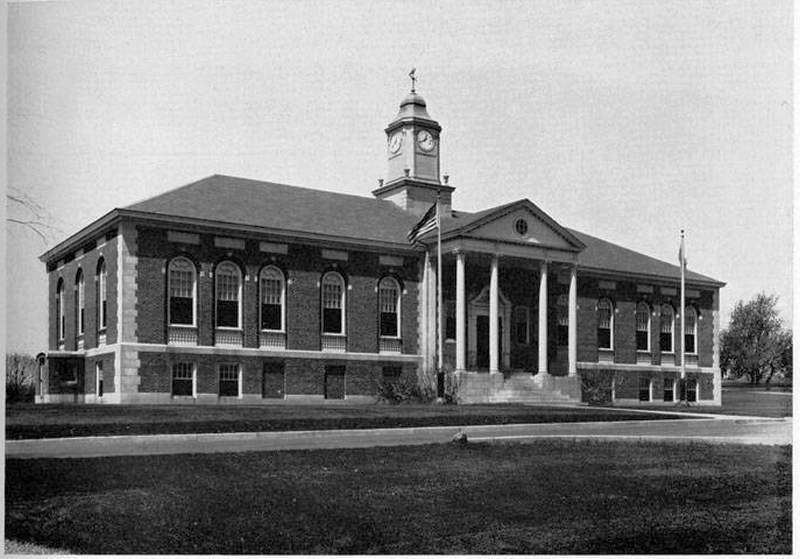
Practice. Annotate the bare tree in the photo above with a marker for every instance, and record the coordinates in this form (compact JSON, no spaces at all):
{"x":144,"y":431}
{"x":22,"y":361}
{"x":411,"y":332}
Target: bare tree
{"x":27,"y":212}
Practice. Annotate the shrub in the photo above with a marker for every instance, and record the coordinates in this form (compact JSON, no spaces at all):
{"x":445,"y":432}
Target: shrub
{"x":596,"y":387}
{"x":20,"y":370}
{"x":402,"y":390}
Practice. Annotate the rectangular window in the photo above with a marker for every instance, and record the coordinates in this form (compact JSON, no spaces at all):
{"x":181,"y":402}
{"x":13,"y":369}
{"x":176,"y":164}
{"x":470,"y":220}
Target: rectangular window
{"x":389,"y":324}
{"x":99,"y":378}
{"x":229,"y":380}
{"x":227,"y":300}
{"x":604,"y":321}
{"x":183,"y":379}
{"x":59,"y":318}
{"x":689,"y":341}
{"x":102,"y":296}
{"x":522,"y":325}
{"x":181,"y":296}
{"x":644,"y":389}
{"x":332,"y":322}
{"x":642,"y":330}
{"x":669,"y":390}
{"x":271,"y":305}
{"x":388,"y":310}
{"x":666,"y":342}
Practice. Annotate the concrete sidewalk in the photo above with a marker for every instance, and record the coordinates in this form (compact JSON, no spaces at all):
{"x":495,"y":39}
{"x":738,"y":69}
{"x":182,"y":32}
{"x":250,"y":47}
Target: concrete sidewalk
{"x":726,"y":429}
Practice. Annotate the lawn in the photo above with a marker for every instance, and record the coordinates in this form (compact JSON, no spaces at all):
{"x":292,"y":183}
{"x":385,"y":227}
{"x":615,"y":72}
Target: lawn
{"x":30,"y":421}
{"x":545,"y":497}
{"x":738,"y":400}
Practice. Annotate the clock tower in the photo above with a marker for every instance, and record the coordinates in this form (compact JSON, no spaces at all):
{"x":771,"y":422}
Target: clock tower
{"x":413,"y":170}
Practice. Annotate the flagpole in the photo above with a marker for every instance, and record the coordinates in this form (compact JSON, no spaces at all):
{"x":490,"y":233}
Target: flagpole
{"x":683,"y":316}
{"x":439,"y":284}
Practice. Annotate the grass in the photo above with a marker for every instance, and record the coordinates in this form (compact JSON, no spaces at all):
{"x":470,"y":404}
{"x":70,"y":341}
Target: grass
{"x":29,"y":421}
{"x":742,"y":401}
{"x":545,"y":497}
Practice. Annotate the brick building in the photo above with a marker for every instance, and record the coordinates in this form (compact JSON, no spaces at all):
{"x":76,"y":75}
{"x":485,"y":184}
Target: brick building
{"x":236,"y":290}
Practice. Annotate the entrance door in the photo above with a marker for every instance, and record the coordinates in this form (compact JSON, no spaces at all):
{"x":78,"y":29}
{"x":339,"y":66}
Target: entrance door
{"x":482,"y":341}
{"x":334,"y":382}
{"x":272,"y":381}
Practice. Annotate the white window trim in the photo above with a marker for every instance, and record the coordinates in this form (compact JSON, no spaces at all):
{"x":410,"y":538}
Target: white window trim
{"x":672,"y":330}
{"x":194,"y":381}
{"x":694,"y":329}
{"x":102,"y":296}
{"x":649,"y":390}
{"x":343,"y":303}
{"x":238,"y":326}
{"x":238,"y":380}
{"x":80,"y":310}
{"x":649,"y":326}
{"x":194,"y":294}
{"x":397,"y":304}
{"x":611,"y":325}
{"x":98,"y":375}
{"x":282,"y":329}
{"x":673,"y":382}
{"x":61,"y":315}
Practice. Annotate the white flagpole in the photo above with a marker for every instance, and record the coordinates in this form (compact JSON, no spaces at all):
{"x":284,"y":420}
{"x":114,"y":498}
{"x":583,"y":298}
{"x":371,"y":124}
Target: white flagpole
{"x":439,"y":284}
{"x":683,"y":310}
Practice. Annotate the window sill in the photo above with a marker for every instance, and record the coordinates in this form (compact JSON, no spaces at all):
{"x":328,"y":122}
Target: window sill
{"x":264,"y":331}
{"x":229,"y":328}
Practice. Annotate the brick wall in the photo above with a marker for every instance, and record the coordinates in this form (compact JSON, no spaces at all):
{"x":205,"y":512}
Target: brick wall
{"x":303,"y":267}
{"x":100,"y":248}
{"x":302,"y":376}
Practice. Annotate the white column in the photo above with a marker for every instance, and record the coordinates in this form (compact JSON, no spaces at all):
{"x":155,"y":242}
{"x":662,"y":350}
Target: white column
{"x":494,"y":346}
{"x":572,"y":333}
{"x":461,"y":318}
{"x":543,"y":317}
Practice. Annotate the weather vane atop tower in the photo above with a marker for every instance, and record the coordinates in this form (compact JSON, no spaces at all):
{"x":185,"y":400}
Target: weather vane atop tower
{"x":413,"y":75}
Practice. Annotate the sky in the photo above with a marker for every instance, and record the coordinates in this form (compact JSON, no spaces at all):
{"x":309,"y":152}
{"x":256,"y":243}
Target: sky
{"x":623,"y":119}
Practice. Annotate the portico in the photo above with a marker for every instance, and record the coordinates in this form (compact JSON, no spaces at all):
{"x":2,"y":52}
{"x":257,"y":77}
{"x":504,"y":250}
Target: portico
{"x":502,"y":274}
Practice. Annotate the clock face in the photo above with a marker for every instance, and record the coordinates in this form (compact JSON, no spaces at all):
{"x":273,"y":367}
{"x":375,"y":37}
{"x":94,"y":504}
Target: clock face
{"x":425,"y":140}
{"x":395,"y":142}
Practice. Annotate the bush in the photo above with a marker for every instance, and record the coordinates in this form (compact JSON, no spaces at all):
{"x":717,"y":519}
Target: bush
{"x":20,"y":370}
{"x":402,"y":390}
{"x":596,"y":387}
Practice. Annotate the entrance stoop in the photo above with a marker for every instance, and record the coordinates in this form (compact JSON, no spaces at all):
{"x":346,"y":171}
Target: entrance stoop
{"x":522,"y":388}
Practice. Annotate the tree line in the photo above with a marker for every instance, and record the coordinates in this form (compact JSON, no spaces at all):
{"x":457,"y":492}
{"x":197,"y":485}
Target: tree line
{"x":756,"y":345}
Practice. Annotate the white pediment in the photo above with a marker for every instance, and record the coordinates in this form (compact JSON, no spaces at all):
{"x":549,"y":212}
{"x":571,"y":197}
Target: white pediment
{"x":530,"y":230}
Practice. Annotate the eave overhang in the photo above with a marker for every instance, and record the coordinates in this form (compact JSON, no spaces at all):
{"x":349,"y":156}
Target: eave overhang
{"x":222,"y":228}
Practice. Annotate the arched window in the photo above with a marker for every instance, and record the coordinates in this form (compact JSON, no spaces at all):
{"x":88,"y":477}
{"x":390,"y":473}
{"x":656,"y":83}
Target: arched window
{"x":80,"y":299}
{"x":102,"y":307}
{"x":333,"y":303}
{"x":667,"y":323}
{"x":605,"y":324}
{"x":182,"y":292}
{"x":642,"y":327}
{"x":562,"y":311}
{"x":690,"y":330}
{"x":389,"y":307}
{"x":272,"y":299}
{"x":60,"y":321}
{"x":229,"y":287}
